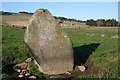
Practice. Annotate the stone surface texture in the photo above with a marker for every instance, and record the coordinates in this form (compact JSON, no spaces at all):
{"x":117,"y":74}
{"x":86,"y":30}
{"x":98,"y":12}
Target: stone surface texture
{"x":49,"y":44}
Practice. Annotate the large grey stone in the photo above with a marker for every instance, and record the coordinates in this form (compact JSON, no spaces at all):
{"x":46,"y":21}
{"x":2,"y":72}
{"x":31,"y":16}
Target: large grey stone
{"x":48,"y":43}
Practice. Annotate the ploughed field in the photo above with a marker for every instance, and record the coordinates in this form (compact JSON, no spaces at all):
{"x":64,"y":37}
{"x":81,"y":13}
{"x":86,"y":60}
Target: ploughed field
{"x":23,"y":19}
{"x":91,"y":45}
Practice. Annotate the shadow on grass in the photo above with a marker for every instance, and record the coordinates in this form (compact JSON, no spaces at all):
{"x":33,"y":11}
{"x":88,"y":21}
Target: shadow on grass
{"x":82,"y":53}
{"x":8,"y":69}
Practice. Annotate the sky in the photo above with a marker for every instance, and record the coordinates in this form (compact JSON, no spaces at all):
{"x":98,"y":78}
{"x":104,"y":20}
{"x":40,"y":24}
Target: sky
{"x":119,"y":11}
{"x":76,"y":10}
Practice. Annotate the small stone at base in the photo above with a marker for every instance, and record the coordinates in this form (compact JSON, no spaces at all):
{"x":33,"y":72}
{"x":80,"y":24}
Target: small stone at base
{"x":23,"y":70}
{"x":18,"y":70}
{"x":81,"y":68}
{"x":27,"y":74}
{"x":67,"y":73}
{"x":28,"y":60}
{"x":20,"y":76}
{"x":32,"y":77}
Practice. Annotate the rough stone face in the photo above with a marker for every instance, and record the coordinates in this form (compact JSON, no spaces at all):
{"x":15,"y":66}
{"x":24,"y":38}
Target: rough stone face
{"x":48,"y":43}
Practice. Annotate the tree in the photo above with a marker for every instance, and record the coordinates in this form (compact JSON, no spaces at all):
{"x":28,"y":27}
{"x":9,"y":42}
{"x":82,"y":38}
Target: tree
{"x":103,"y":21}
{"x":87,"y":22}
{"x":62,"y":19}
{"x":99,"y":22}
{"x":91,"y":22}
{"x":114,"y":22}
{"x":108,"y":22}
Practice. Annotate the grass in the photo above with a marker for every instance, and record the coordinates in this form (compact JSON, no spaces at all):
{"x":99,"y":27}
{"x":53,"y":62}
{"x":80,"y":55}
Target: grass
{"x":103,"y":28}
{"x":14,"y":48}
{"x":34,"y":70}
{"x":103,"y":51}
{"x":73,"y":22}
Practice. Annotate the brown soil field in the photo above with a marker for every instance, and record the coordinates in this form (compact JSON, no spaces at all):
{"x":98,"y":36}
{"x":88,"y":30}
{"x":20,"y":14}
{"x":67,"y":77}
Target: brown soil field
{"x":17,"y":23}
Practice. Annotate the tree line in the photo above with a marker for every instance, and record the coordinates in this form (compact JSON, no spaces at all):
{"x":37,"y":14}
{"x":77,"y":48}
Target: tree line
{"x":102,"y":22}
{"x":6,"y":13}
{"x":67,"y":19}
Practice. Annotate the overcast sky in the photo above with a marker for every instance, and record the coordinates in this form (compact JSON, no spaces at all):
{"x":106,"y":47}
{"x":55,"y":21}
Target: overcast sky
{"x":76,"y":10}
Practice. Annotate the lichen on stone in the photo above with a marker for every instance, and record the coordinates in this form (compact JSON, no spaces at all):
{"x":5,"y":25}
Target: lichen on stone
{"x":48,"y":44}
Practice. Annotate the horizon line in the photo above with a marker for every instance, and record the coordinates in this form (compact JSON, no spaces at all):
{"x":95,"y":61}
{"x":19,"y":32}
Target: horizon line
{"x":62,"y":16}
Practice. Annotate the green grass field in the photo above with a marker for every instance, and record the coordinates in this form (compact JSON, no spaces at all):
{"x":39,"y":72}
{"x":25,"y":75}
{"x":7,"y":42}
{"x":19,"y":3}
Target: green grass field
{"x":103,"y":51}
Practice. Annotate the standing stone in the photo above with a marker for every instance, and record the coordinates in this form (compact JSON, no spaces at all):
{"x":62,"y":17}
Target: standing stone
{"x":48,"y":43}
